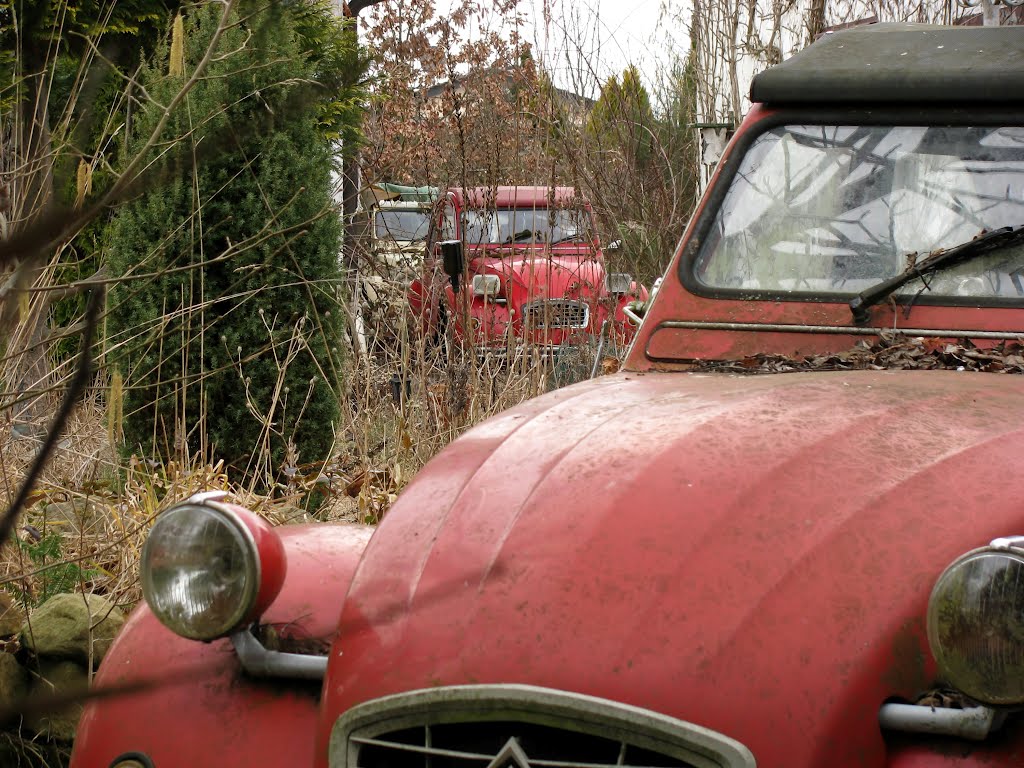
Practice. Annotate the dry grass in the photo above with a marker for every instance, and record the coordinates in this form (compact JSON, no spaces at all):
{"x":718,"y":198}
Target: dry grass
{"x":407,"y":400}
{"x":403,"y":402}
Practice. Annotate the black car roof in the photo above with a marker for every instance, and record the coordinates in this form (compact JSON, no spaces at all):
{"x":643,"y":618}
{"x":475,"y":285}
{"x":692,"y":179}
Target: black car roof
{"x":900,"y":64}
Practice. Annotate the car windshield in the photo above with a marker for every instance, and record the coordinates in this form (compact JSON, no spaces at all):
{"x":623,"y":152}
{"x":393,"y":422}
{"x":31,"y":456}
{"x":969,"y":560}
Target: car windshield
{"x":835,"y":209}
{"x":403,"y":225}
{"x":525,"y":225}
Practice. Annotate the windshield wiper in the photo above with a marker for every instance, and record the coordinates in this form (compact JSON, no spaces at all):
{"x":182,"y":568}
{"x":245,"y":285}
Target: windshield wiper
{"x":523,"y":235}
{"x":573,"y":236}
{"x":933,"y":262}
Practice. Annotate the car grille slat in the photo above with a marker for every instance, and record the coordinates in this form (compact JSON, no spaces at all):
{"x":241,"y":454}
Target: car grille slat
{"x":487,"y":758}
{"x":424,"y":750}
{"x":557,"y":313}
{"x":517,"y":726}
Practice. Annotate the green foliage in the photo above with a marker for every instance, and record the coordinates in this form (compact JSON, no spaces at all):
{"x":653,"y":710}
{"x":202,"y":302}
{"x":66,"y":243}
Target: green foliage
{"x":125,"y":17}
{"x":233,"y":354}
{"x":59,"y":576}
{"x":544,"y":105}
{"x":646,"y":155}
{"x":48,"y":30}
{"x":330,"y":45}
{"x":8,"y":59}
{"x":50,"y":47}
{"x":622,"y":120}
{"x":674,"y":128}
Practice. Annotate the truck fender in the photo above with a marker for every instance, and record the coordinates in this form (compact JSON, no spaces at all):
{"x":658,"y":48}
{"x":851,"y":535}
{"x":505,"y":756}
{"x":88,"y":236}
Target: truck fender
{"x":197,"y":707}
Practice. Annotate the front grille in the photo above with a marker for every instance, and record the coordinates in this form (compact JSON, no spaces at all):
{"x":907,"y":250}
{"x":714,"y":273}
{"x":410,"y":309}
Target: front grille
{"x":528,"y":353}
{"x":517,"y":726}
{"x":556,"y":313}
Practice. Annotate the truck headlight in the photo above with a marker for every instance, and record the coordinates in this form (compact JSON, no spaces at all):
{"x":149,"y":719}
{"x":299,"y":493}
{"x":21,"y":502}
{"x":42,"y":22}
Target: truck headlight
{"x":210,"y":567}
{"x":976,"y":623}
{"x":487,"y":286}
{"x":619,"y":283}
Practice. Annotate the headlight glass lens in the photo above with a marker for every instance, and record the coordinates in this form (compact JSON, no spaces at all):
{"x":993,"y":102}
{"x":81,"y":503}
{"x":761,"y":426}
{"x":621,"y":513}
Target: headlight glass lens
{"x":200,"y":571}
{"x":486,"y":285}
{"x":976,"y":625}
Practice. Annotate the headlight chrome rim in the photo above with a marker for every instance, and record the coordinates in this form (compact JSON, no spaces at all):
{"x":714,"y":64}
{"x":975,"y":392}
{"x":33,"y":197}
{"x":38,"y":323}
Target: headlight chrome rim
{"x":207,"y":504}
{"x":975,"y":624}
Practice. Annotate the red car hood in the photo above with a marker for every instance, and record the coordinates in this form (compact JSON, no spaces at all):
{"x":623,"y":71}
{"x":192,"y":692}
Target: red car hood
{"x":533,"y":274}
{"x":751,"y":554}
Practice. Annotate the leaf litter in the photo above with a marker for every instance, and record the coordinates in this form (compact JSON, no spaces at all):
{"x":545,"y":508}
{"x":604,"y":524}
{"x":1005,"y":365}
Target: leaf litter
{"x":892,"y":350}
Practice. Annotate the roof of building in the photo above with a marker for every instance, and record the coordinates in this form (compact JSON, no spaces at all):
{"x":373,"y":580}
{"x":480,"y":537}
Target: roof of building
{"x":900,"y":64}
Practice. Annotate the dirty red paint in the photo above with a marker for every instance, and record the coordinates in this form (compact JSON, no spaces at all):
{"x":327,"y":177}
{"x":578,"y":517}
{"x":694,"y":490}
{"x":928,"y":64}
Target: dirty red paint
{"x":1004,"y":748}
{"x":783,"y":614}
{"x":272,"y":559}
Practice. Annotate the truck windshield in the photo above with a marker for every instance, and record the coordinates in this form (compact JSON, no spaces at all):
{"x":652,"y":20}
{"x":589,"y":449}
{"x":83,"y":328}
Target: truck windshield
{"x":836,"y":209}
{"x":402,"y":225}
{"x":525,"y":226}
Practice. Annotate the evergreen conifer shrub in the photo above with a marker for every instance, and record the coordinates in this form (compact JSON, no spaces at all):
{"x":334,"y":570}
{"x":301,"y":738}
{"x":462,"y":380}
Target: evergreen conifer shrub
{"x":225,"y":325}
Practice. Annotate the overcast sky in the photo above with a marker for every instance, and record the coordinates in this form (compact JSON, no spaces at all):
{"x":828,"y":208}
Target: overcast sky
{"x":598,"y":37}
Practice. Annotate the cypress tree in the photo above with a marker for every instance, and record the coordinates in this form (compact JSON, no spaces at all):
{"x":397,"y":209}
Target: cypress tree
{"x":622,"y":119}
{"x":225,"y":327}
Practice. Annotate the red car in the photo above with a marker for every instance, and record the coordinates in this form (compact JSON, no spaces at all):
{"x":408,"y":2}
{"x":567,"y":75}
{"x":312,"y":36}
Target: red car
{"x":524,"y":269}
{"x":696,"y":561}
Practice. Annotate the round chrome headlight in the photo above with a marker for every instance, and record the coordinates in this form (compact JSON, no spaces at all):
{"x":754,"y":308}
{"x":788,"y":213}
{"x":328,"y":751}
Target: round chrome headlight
{"x":202,"y":569}
{"x":976,"y":625}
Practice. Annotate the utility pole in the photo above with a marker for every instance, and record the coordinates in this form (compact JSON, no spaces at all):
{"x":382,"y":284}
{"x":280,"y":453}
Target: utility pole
{"x":350,"y":180}
{"x":350,"y":164}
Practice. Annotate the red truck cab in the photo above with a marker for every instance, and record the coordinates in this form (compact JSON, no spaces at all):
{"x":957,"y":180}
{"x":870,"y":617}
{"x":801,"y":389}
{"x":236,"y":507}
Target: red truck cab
{"x":531,"y":275}
{"x":784,"y":534}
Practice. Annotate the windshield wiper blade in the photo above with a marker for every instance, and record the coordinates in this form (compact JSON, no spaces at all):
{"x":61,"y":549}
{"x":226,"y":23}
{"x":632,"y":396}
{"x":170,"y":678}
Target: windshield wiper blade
{"x":933,"y":262}
{"x":521,"y":235}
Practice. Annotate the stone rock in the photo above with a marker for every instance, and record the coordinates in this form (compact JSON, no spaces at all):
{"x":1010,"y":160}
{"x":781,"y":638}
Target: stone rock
{"x":76,"y":516}
{"x":14,"y":681}
{"x":59,"y":678}
{"x":60,"y":627}
{"x":11,"y":615}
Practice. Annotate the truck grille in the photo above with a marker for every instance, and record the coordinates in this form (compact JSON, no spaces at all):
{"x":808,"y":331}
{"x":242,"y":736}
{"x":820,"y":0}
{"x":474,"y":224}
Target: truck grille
{"x":557,"y":313}
{"x":517,"y":726}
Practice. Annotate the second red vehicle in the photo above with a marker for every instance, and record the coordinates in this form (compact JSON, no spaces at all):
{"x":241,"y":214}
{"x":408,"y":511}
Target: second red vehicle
{"x":521,"y":267}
